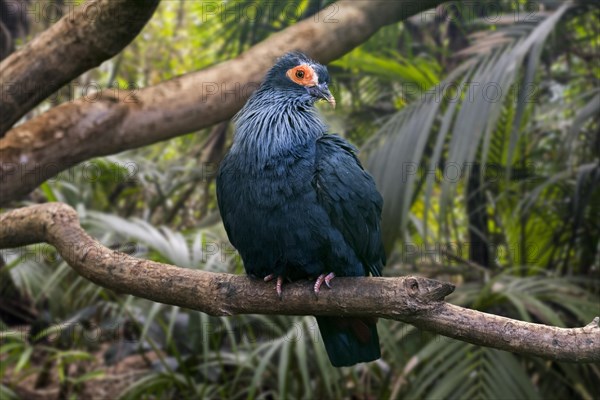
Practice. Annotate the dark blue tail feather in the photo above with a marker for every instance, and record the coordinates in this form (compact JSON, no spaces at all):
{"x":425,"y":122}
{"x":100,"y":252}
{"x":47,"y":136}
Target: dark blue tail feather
{"x":349,"y":340}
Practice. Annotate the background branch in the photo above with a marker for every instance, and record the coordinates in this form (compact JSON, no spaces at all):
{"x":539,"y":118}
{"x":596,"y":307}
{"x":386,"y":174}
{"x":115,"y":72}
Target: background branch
{"x":416,"y":300}
{"x":84,"y":38}
{"x":76,"y":131}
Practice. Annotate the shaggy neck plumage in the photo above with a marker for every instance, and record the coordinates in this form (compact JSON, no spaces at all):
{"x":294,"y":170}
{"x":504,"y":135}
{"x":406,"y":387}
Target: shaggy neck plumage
{"x":272,"y":125}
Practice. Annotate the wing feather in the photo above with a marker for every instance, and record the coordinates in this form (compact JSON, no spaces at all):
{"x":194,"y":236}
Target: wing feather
{"x":349,"y":195}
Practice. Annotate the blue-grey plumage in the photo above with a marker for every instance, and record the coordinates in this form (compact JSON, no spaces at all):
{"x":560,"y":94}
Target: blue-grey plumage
{"x":296,"y":202}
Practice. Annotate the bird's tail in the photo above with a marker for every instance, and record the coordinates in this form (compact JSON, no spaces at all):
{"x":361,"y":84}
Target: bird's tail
{"x":349,"y":340}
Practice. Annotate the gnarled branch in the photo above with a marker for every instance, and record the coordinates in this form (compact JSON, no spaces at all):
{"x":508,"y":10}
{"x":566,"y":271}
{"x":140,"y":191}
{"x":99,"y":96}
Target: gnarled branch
{"x":74,"y":132}
{"x":82,"y":39}
{"x":416,"y":300}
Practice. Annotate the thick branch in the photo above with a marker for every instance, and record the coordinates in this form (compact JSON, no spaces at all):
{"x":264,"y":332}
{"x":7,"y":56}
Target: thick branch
{"x":418,"y":301}
{"x":86,"y":128}
{"x":82,"y":39}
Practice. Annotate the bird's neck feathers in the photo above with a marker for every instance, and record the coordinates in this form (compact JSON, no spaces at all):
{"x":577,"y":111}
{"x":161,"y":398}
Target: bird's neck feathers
{"x":272,"y":125}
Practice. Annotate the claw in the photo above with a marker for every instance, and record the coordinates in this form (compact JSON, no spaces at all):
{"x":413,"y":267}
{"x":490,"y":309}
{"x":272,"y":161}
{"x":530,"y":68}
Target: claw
{"x":323,"y":278}
{"x":278,"y":285}
{"x":328,"y":279}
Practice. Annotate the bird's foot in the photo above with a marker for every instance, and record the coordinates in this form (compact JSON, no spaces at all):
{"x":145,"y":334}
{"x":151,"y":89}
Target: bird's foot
{"x":278,"y":285}
{"x":323,"y":278}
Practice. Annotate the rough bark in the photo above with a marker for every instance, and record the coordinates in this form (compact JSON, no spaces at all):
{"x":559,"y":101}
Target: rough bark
{"x":416,"y":300}
{"x":84,"y":38}
{"x":76,"y":131}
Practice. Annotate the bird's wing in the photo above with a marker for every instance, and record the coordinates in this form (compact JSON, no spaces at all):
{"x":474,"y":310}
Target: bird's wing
{"x":348,"y":194}
{"x":226,"y":193}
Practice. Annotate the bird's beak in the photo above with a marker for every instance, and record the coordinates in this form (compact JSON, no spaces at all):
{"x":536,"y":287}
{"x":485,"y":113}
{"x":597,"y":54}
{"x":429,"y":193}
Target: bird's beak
{"x":322,"y":92}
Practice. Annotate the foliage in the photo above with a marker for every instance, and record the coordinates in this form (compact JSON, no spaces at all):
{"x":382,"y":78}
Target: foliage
{"x":417,"y":97}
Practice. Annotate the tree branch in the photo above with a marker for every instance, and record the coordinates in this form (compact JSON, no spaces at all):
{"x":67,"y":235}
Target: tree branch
{"x":82,"y":39}
{"x":74,"y":132}
{"x":415,"y":300}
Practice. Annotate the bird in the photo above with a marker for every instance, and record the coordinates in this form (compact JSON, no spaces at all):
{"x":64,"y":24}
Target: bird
{"x":296,"y":202}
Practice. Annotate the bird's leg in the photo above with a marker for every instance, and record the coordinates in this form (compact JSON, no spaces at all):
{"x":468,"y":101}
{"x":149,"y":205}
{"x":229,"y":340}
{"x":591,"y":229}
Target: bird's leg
{"x":270,"y":277}
{"x":323,"y":278}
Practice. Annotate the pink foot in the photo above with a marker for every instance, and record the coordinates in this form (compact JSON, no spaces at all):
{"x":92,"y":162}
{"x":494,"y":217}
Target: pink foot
{"x":323,"y":278}
{"x":270,"y":277}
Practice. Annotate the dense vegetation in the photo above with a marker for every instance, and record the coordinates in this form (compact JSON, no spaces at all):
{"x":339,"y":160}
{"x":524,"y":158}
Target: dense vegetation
{"x":480,"y":126}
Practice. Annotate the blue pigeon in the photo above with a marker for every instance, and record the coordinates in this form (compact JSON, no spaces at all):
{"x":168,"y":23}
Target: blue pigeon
{"x":296,"y":202}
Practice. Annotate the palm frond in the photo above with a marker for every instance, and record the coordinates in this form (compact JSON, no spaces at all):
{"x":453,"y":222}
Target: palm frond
{"x":405,"y":145}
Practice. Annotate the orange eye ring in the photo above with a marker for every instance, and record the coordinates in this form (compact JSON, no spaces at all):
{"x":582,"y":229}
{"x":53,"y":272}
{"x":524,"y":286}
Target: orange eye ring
{"x":303,"y":75}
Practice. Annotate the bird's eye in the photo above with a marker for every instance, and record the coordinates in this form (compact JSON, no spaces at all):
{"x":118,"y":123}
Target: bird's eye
{"x":303,"y":75}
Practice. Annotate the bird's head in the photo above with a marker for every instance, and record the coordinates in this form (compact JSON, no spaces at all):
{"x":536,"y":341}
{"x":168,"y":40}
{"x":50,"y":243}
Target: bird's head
{"x":299,"y":78}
